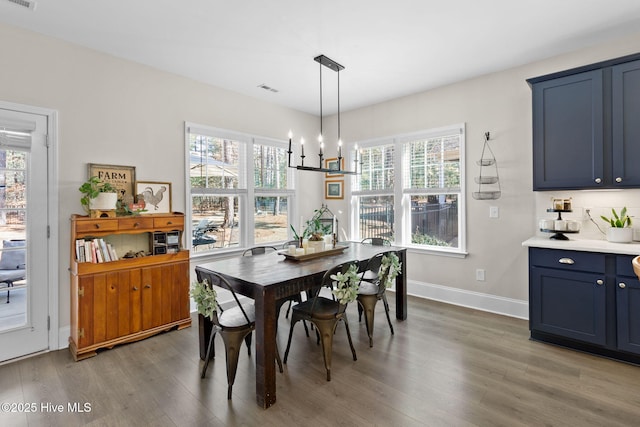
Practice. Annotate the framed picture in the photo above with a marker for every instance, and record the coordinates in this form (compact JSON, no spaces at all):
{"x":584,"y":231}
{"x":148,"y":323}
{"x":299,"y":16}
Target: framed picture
{"x":334,"y":189}
{"x":333,"y":165}
{"x":155,"y":195}
{"x":121,"y":177}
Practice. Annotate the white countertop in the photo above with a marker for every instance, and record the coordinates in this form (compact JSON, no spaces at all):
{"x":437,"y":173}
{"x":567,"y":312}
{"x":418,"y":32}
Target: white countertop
{"x":587,"y":245}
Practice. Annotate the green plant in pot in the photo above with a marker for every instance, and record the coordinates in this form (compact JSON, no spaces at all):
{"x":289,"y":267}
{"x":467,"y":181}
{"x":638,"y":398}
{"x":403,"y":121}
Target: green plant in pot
{"x":97,"y":194}
{"x":620,"y":226}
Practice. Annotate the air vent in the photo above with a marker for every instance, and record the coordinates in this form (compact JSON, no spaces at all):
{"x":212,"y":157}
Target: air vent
{"x":24,"y":3}
{"x":265,"y":87}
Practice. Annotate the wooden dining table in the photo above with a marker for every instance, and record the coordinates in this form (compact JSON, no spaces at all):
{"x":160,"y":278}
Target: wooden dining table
{"x":270,"y":277}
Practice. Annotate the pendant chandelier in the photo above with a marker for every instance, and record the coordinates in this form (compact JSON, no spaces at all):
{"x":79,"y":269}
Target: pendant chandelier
{"x":333,"y":65}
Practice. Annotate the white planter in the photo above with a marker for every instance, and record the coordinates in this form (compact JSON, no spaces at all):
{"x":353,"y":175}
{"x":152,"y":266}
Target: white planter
{"x":620,"y":235}
{"x":104,"y":202}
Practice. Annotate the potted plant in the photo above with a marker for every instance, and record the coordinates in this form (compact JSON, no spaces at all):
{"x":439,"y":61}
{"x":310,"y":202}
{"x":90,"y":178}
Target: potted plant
{"x":620,"y":227}
{"x":98,"y":195}
{"x":346,"y":285}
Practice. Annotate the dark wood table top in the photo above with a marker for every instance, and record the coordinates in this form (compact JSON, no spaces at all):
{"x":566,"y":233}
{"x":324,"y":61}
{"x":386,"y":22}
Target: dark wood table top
{"x":273,"y":269}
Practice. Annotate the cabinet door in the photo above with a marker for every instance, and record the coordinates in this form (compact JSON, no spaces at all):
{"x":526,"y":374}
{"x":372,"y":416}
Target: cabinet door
{"x":165,"y":294}
{"x":628,"y":314}
{"x":625,"y":79}
{"x":568,"y":139}
{"x":568,"y":304}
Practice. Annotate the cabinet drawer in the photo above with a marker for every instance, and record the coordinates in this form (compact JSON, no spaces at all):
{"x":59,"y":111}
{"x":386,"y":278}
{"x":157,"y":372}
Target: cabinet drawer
{"x":97,"y":225}
{"x":172,"y":221}
{"x":567,"y":260}
{"x":136,"y":223}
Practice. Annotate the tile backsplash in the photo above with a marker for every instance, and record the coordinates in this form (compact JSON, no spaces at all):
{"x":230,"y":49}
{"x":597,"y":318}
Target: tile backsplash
{"x":597,"y":202}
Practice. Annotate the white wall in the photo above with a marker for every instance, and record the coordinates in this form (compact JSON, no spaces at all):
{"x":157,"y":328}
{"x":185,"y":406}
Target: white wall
{"x":117,"y":112}
{"x":501,"y":104}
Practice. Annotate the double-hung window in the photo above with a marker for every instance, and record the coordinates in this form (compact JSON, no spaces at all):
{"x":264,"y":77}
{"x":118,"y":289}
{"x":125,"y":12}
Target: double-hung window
{"x":411,"y":190}
{"x":239,"y":190}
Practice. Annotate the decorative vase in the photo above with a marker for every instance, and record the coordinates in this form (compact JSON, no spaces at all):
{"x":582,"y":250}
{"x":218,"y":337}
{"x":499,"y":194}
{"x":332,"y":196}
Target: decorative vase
{"x":620,"y":235}
{"x":104,"y":202}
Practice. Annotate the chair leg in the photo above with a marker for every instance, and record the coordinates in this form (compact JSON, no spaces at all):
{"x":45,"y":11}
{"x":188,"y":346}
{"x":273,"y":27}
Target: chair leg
{"x":386,"y":309}
{"x":210,"y":350}
{"x":232,"y":344}
{"x":286,"y":352}
{"x":368,"y":305}
{"x":278,"y":361}
{"x":360,"y":313}
{"x":346,"y":325}
{"x":247,"y":340}
{"x":326,"y":329}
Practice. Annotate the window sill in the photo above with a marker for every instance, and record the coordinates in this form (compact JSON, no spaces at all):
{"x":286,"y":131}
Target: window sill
{"x":437,"y":252}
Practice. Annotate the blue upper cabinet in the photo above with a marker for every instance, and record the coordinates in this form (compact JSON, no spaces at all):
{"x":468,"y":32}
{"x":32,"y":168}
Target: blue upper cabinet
{"x":586,"y":131}
{"x":625,"y":95}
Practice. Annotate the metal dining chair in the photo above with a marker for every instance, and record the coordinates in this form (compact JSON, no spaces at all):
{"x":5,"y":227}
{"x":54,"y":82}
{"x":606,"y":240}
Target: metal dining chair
{"x":234,"y":324}
{"x":324,"y":313}
{"x":259,"y":250}
{"x":372,"y":291}
{"x":376,"y":241}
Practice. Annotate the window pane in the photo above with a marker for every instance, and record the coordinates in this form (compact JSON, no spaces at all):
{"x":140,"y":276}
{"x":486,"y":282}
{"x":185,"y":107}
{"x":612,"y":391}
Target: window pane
{"x":376,"y":217}
{"x":270,"y":167}
{"x":434,"y":220}
{"x":377,"y":168}
{"x":215,"y":222}
{"x":433,"y":163}
{"x":214,"y":162}
{"x":271,"y":221}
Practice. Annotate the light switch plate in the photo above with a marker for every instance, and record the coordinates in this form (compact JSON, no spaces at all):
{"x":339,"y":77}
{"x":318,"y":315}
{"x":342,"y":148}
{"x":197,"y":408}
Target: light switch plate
{"x":494,"y":212}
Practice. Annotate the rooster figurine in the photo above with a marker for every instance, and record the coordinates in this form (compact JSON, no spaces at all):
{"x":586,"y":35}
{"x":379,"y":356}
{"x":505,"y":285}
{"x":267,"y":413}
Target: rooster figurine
{"x":153,"y":199}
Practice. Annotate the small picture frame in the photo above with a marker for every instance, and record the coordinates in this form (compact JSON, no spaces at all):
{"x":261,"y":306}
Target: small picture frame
{"x":334,"y":189}
{"x":121,"y":177}
{"x":155,"y":195}
{"x":332,"y":164}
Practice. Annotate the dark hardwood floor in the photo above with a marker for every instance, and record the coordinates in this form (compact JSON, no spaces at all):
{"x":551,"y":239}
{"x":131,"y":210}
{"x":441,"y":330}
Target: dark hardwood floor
{"x":445,"y":366}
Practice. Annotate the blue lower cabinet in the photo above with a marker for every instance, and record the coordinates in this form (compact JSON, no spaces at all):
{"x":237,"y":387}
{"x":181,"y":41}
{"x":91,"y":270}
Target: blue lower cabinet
{"x":570,"y":304}
{"x":628,"y":314}
{"x":584,"y":300}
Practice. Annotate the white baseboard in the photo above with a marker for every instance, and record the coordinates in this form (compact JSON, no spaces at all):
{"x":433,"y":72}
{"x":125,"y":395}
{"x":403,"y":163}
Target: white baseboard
{"x":63,"y":338}
{"x":485,"y":302}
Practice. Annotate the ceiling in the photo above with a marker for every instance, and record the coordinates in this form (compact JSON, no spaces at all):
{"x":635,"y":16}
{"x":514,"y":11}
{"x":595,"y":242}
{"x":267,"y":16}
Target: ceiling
{"x":388,"y":48}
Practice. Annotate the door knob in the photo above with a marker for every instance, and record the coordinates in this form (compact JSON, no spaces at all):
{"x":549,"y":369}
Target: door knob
{"x":622,"y":285}
{"x":600,"y":282}
{"x":598,"y":180}
{"x":618,"y":179}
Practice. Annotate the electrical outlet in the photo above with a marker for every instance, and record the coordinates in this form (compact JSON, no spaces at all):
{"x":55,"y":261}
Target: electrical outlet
{"x":480,"y":274}
{"x":494,"y":212}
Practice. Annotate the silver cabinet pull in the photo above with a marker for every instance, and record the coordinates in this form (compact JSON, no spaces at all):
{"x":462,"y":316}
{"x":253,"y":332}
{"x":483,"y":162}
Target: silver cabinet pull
{"x":566,"y":261}
{"x":600,"y":282}
{"x":622,"y":285}
{"x":618,"y":179}
{"x":598,"y":180}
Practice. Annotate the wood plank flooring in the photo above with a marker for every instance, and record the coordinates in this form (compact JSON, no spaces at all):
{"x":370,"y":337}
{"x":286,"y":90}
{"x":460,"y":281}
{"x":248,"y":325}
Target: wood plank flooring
{"x":445,"y":366}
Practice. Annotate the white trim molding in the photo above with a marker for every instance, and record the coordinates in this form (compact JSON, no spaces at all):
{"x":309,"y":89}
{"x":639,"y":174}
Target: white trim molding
{"x":476,"y":300}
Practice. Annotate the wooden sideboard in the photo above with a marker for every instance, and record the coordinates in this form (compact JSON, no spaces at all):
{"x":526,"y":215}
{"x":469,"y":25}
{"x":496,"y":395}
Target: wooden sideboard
{"x":128,"y":299}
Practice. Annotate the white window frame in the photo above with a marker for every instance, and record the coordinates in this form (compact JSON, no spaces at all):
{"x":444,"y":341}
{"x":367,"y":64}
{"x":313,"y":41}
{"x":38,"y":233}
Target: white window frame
{"x":246,"y":193}
{"x":402,"y":196}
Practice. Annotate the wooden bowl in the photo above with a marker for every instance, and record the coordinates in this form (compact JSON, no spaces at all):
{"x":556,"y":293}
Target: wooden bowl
{"x":636,"y":266}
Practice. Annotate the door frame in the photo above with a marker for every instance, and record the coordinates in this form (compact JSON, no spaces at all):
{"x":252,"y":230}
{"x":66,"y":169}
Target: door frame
{"x":57,"y":340}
